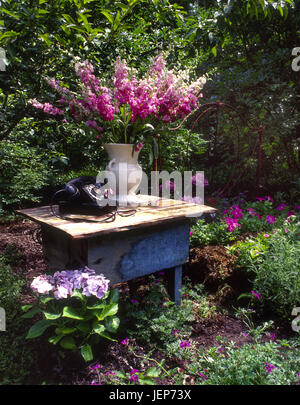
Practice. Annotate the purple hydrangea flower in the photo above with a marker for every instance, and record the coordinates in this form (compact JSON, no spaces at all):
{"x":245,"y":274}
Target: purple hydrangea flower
{"x":42,"y":284}
{"x":63,"y":283}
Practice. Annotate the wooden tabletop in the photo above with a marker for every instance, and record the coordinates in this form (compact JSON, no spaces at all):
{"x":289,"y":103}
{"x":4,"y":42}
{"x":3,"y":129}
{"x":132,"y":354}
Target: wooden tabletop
{"x":157,"y":212}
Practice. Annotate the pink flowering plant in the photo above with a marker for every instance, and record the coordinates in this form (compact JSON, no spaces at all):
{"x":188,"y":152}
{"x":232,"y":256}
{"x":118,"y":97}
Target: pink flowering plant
{"x":263,"y":216}
{"x":126,"y":108}
{"x":77,"y":306}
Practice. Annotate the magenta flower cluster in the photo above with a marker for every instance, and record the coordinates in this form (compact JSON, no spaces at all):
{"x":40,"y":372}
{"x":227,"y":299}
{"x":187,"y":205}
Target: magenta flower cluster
{"x":133,"y":375}
{"x":160,"y":94}
{"x":232,"y":215}
{"x":62,"y":284}
{"x":269,"y":367}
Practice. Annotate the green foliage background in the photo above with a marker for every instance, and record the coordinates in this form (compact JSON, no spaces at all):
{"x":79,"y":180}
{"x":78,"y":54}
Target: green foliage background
{"x":244,"y":48}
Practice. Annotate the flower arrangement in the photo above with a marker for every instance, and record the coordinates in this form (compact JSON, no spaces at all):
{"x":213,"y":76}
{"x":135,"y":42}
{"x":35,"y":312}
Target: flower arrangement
{"x":77,"y":306}
{"x":132,"y":108}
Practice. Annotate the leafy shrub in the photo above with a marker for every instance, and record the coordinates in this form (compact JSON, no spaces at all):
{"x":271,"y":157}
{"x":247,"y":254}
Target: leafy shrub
{"x":274,"y":261}
{"x":271,"y":363}
{"x":17,"y":358}
{"x":277,"y":277}
{"x":23,"y":173}
{"x":229,"y":224}
{"x":10,"y":288}
{"x":210,"y":233}
{"x":155,"y":319}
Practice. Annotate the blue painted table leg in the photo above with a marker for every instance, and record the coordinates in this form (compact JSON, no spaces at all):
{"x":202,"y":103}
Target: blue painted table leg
{"x":175,"y":281}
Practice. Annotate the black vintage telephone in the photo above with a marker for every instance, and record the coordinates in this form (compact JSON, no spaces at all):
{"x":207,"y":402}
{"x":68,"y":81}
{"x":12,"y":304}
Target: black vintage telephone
{"x":84,"y":196}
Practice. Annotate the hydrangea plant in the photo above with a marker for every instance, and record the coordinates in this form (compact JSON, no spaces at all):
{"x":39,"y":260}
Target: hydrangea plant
{"x":77,"y":306}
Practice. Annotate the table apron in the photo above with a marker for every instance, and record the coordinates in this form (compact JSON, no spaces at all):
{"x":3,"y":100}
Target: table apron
{"x":120,"y":256}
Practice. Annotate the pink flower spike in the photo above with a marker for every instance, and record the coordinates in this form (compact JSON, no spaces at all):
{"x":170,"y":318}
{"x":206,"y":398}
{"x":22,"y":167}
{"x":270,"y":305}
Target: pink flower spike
{"x":125,"y":341}
{"x":266,"y":235}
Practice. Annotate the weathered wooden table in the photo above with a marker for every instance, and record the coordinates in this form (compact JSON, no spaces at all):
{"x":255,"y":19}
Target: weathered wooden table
{"x":154,"y":238}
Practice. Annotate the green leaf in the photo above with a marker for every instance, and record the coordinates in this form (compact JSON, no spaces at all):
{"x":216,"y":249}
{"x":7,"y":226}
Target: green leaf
{"x":109,"y":310}
{"x":84,"y":327}
{"x":86,"y":352}
{"x":64,"y":331}
{"x":244,"y":295}
{"x":106,"y":336}
{"x":146,"y":381}
{"x":39,"y":328}
{"x":45,"y":38}
{"x":69,"y":312}
{"x":44,"y":300}
{"x":78,"y":294}
{"x":31,"y":313}
{"x":99,"y":329}
{"x":55,"y":339}
{"x":26,"y":307}
{"x":49,"y":315}
{"x":153,"y":372}
{"x":108,"y":16}
{"x":114,"y":296}
{"x":68,"y":343}
{"x":112,"y":324}
{"x":214,"y":51}
{"x":280,"y":10}
{"x":9,"y":13}
{"x":97,"y":306}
